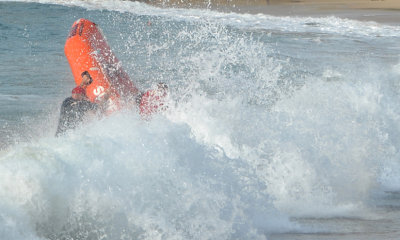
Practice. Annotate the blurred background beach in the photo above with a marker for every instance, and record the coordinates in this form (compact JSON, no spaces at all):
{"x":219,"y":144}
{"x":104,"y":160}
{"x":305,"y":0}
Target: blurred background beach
{"x":383,"y":11}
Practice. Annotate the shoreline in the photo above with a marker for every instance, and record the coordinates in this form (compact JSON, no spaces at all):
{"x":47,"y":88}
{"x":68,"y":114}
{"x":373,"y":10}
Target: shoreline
{"x":380,"y":11}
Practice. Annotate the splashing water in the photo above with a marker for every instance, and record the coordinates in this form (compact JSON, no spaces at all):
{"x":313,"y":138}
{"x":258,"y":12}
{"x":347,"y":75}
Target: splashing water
{"x":272,"y":123}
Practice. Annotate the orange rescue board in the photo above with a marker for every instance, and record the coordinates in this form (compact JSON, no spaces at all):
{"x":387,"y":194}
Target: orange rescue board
{"x":87,"y":50}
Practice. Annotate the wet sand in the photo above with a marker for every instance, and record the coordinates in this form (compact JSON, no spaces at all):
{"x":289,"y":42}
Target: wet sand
{"x":381,"y":11}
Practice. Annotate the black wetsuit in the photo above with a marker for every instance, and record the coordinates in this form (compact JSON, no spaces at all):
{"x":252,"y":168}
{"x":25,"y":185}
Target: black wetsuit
{"x":72,"y":113}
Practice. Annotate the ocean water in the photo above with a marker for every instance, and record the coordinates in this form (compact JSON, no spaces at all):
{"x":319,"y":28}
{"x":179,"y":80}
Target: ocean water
{"x":277,"y":128}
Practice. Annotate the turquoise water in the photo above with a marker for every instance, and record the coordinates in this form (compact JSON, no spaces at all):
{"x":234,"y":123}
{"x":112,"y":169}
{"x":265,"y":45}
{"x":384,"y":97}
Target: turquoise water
{"x":277,"y":127}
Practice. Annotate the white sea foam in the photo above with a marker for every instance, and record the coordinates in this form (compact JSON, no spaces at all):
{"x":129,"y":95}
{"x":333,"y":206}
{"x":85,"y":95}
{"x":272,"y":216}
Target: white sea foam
{"x":253,"y":136}
{"x":122,"y":176}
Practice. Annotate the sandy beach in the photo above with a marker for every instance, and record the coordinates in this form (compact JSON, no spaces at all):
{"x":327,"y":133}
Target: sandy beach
{"x":381,"y":11}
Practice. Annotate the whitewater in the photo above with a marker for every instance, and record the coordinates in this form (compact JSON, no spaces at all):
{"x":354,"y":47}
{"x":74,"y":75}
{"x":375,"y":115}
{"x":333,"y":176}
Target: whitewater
{"x":277,"y":127}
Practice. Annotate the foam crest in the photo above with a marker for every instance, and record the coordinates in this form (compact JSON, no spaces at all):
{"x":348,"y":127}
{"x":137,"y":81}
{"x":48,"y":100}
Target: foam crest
{"x":121,"y":177}
{"x":309,"y":146}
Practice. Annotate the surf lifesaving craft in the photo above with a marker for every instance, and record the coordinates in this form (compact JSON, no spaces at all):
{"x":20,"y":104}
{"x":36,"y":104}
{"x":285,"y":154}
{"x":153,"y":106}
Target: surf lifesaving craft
{"x":87,"y":50}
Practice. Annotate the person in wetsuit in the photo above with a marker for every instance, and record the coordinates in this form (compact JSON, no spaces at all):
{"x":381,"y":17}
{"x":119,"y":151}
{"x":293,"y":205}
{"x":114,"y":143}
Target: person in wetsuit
{"x":74,"y":109}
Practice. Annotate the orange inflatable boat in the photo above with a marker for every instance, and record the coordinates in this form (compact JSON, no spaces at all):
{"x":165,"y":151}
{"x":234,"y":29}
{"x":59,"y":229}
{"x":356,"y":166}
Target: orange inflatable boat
{"x":87,"y":50}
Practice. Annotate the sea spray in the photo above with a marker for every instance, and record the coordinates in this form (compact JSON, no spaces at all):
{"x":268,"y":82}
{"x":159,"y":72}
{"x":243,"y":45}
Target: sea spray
{"x":121,"y":177}
{"x":275,"y":125}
